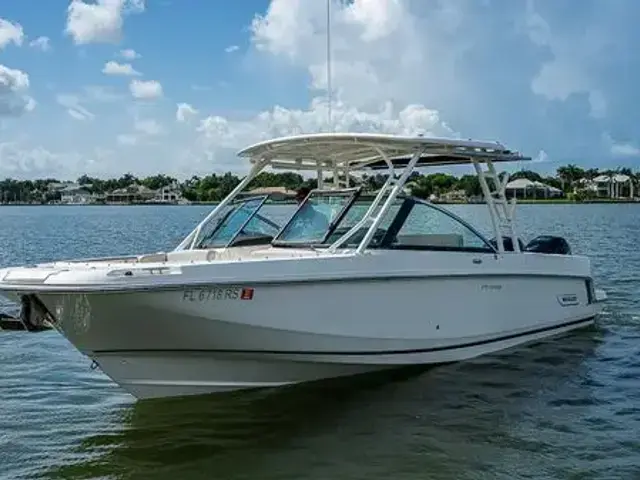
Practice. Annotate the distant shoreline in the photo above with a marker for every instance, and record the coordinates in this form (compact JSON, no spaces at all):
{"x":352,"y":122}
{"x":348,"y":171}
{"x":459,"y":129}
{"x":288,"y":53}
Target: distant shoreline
{"x":555,"y":201}
{"x":17,"y":204}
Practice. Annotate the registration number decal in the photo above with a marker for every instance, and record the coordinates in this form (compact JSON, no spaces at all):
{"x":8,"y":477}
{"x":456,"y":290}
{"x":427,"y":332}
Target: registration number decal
{"x":209,"y":294}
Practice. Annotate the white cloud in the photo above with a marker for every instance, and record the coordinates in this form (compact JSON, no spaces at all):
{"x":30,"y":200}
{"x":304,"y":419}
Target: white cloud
{"x":541,"y":157}
{"x":213,"y":143}
{"x":184,"y":112}
{"x":16,"y":160}
{"x":140,"y":137}
{"x":76,"y":114}
{"x":127,"y":139}
{"x":41,"y":43}
{"x":619,"y":149}
{"x":10,"y":33}
{"x":99,"y":22}
{"x":74,"y":108}
{"x":232,"y":48}
{"x":625,"y":150}
{"x":567,"y":72}
{"x":115,"y":68}
{"x":14,"y":85}
{"x":129,"y":54}
{"x":13,"y":79}
{"x":143,"y":129}
{"x":148,"y":127}
{"x":29,"y":104}
{"x":19,"y":159}
{"x":145,"y":89}
{"x":372,"y":42}
{"x":476,"y":74}
{"x":597,"y":103}
{"x":99,"y":93}
{"x":219,"y":132}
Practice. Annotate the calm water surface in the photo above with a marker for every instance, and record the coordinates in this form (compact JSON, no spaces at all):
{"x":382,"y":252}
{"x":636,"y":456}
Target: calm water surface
{"x":565,"y":408}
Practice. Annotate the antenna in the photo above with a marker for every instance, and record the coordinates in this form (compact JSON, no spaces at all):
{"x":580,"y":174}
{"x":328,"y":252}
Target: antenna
{"x":329,"y":65}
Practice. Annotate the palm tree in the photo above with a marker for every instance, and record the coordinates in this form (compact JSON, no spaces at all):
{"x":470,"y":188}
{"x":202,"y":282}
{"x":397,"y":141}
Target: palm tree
{"x":570,"y":174}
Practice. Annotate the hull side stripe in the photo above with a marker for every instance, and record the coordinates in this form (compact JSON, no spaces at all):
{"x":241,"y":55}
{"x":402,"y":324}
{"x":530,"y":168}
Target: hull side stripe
{"x":477,"y":343}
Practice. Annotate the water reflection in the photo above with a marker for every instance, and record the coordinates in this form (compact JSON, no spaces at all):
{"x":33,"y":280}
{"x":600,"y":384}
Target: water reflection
{"x":462,"y":420}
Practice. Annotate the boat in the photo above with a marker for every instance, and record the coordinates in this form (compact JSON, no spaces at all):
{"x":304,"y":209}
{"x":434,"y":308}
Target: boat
{"x":349,"y":282}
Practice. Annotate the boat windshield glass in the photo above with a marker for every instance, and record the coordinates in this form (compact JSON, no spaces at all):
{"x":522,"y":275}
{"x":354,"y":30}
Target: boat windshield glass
{"x":315,"y":217}
{"x":408,"y":224}
{"x":244,"y":222}
{"x":356,"y":213}
{"x":426,"y":226}
{"x":325,"y":216}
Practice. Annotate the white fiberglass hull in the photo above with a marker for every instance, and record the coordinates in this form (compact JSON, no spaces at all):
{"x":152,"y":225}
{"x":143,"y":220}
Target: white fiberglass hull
{"x":211,"y":338}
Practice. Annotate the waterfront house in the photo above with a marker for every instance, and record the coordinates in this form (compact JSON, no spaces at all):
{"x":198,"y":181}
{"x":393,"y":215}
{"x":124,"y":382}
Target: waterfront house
{"x":613,"y":186}
{"x":280,"y":193}
{"x":168,"y":194}
{"x":525,"y":188}
{"x":132,"y":194}
{"x":74,"y":194}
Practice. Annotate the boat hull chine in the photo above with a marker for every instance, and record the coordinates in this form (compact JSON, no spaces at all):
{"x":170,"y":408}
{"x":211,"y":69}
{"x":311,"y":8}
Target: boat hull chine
{"x":148,"y":375}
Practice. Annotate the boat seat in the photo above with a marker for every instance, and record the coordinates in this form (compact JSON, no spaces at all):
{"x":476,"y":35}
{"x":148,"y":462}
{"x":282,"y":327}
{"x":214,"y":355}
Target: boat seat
{"x":453,"y":240}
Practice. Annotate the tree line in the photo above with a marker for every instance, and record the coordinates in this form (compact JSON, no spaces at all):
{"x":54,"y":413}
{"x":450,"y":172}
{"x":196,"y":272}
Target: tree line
{"x":214,"y":187}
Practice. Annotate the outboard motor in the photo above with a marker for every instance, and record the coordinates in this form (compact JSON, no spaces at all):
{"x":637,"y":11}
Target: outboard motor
{"x":34,"y":315}
{"x":549,"y":244}
{"x":507,"y":242}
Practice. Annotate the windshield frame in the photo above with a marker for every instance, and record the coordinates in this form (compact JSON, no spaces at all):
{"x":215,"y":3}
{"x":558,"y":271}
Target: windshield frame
{"x":351,"y":193}
{"x":235,"y":206}
{"x":263,"y":219}
{"x":402,"y":216}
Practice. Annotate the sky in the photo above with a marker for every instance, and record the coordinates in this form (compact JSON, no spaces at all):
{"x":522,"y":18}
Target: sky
{"x":106,"y":87}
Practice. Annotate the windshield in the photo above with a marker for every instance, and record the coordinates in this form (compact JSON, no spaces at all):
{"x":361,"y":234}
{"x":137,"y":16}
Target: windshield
{"x":326,"y":216}
{"x":355,"y":214}
{"x":315,"y":217}
{"x":241,"y":223}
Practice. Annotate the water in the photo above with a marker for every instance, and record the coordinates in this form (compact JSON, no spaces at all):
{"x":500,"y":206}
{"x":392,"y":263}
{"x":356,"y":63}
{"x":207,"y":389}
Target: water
{"x":565,"y":408}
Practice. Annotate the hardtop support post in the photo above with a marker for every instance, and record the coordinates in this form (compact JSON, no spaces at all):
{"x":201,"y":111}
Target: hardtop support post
{"x":488,"y":198}
{"x":190,"y":239}
{"x":398,"y":184}
{"x":320,"y":177}
{"x":374,"y":204}
{"x":498,"y":221}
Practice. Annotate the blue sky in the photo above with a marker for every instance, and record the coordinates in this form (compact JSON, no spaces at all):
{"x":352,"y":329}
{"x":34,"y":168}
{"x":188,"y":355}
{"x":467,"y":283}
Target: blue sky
{"x":178,"y":86}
